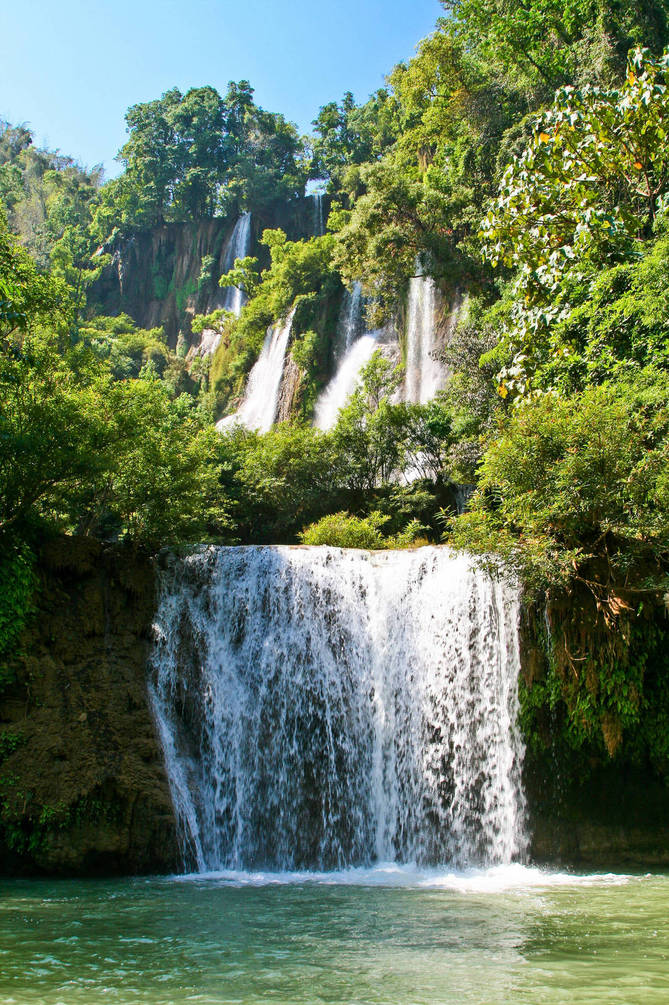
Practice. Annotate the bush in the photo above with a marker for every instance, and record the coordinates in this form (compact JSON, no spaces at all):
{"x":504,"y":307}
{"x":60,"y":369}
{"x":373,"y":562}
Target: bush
{"x":341,"y":530}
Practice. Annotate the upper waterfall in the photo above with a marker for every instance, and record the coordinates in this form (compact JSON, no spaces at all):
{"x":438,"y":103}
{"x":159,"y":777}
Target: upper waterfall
{"x":238,"y":247}
{"x":351,"y":322}
{"x":230,"y":298}
{"x":318,"y":221}
{"x":321,"y":708}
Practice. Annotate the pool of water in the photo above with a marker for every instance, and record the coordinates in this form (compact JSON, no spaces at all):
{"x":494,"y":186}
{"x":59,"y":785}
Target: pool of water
{"x":384,"y":936}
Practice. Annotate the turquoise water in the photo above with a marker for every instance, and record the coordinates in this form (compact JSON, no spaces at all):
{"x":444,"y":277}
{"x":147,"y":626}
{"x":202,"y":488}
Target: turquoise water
{"x":387,"y":935}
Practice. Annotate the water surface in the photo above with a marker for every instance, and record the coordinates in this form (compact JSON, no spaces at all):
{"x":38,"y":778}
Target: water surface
{"x":386,"y":936}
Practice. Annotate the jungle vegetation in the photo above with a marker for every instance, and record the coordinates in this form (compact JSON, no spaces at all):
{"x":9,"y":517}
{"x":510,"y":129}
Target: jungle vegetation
{"x":522,"y":155}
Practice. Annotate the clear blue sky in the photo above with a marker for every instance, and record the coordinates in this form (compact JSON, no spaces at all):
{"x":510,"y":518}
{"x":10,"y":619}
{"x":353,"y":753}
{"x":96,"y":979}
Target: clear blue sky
{"x":70,"y":68}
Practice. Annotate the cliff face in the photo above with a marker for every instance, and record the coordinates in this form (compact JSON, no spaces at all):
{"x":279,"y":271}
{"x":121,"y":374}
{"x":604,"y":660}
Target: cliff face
{"x":82,"y":783}
{"x":157,"y":276}
{"x":594,"y":811}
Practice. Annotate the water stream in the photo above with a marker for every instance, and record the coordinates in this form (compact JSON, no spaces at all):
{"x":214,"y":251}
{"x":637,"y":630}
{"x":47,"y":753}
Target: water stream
{"x":318,"y":215}
{"x":238,"y":247}
{"x":352,"y":350}
{"x":344,"y":382}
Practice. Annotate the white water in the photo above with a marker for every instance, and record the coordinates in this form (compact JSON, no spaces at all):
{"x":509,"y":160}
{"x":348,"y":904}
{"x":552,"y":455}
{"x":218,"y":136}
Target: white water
{"x":352,"y":350}
{"x":232,"y":299}
{"x":238,"y":247}
{"x":496,"y":879}
{"x":425,"y":374}
{"x":261,"y":399}
{"x":344,"y":382}
{"x":318,"y":215}
{"x":351,"y":324}
{"x":323,"y":709}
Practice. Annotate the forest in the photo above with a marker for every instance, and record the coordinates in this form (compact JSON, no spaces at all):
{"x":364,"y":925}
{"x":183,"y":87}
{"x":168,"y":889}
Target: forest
{"x":522,"y":156}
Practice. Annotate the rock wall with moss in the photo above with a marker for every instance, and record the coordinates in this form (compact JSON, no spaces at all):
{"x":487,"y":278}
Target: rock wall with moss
{"x":597,"y":796}
{"x":83,"y":789}
{"x":166,"y":275}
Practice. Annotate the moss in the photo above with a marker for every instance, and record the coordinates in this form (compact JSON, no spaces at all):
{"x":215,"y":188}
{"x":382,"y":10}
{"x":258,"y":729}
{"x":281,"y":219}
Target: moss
{"x":18,"y":583}
{"x":609,"y":708}
{"x":186,"y":291}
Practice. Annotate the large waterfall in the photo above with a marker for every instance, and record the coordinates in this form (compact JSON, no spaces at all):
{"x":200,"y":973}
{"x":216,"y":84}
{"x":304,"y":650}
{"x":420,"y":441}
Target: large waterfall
{"x":322,"y":708}
{"x":261,"y":399}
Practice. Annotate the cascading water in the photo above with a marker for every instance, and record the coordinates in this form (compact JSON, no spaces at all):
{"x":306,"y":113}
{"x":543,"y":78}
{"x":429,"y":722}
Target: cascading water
{"x":238,"y":247}
{"x":425,"y":375}
{"x":230,"y":297}
{"x":351,"y":351}
{"x":318,"y":224}
{"x":344,"y":382}
{"x":259,"y":407}
{"x":351,"y":322}
{"x":322,"y":708}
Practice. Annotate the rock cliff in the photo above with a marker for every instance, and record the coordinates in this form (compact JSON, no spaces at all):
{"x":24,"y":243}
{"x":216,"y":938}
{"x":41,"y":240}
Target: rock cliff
{"x":82,"y":785}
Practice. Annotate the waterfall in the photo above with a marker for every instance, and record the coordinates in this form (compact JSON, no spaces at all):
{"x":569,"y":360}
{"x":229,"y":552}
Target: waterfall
{"x":344,"y":382}
{"x":351,"y":352}
{"x":424,"y":373}
{"x":350,"y":325}
{"x":261,"y":399}
{"x":318,"y":220}
{"x":238,"y":247}
{"x":323,"y":708}
{"x":230,"y":298}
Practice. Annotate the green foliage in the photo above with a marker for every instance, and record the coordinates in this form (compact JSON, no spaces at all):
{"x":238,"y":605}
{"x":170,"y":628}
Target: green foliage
{"x":572,"y":481}
{"x":369,"y":429}
{"x":614,"y":708}
{"x":9,"y":742}
{"x":586,"y":189}
{"x":90,"y":438}
{"x":196,"y":155}
{"x":350,"y":134}
{"x":544,"y":44}
{"x":18,"y":583}
{"x":206,"y":272}
{"x":283,"y":480}
{"x":341,"y":530}
{"x":279,"y":481}
{"x":126,"y":347}
{"x":574,"y":496}
{"x":47,"y":197}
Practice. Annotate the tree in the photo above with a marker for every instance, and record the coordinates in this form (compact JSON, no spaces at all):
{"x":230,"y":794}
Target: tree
{"x":367,"y":433}
{"x":586,"y":190}
{"x":573,"y":496}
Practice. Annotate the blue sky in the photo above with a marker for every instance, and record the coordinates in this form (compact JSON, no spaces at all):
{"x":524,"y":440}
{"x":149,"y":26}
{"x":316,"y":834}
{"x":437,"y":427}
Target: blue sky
{"x":71,"y":68}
